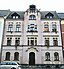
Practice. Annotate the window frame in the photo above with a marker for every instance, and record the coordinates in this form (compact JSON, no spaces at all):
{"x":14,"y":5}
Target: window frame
{"x":54,"y":27}
{"x":47,"y":56}
{"x":32,"y":17}
{"x":56,"y":56}
{"x":46,"y":27}
{"x":34,"y":39}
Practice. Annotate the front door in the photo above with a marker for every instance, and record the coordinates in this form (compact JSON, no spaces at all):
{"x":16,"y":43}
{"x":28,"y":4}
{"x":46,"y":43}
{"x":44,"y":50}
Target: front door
{"x":32,"y":58}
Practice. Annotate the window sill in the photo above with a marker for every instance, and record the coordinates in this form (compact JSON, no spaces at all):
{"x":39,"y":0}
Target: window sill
{"x":46,"y":31}
{"x":15,"y":60}
{"x":32,"y":19}
{"x":56,"y":60}
{"x":8,"y":45}
{"x":47,"y":60}
{"x":10,"y":31}
{"x":54,"y":31}
{"x":18,"y":31}
{"x":32,"y":31}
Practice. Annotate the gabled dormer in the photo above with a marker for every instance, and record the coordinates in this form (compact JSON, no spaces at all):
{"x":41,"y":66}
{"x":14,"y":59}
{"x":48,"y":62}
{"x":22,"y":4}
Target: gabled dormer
{"x":49,"y":15}
{"x":15,"y":15}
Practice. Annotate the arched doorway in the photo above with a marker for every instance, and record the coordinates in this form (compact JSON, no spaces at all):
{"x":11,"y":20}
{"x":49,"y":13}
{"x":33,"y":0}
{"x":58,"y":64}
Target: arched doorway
{"x":31,"y":58}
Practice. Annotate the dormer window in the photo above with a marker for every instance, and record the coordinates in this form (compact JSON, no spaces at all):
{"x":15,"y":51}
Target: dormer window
{"x":49,"y":15}
{"x":15,"y":15}
{"x":32,"y":17}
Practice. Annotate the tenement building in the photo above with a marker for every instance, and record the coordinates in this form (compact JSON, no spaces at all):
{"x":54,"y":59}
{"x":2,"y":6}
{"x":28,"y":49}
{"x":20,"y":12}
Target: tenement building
{"x":61,"y":15}
{"x":32,"y":37}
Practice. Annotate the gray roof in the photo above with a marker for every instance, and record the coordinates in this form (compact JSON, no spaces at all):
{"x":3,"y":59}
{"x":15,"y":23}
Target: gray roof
{"x":20,"y":13}
{"x":4,"y":13}
{"x":8,"y":13}
{"x":61,"y":15}
{"x":43,"y":13}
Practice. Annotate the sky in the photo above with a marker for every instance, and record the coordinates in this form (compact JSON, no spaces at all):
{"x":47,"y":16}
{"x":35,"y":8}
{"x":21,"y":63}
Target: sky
{"x":23,"y":5}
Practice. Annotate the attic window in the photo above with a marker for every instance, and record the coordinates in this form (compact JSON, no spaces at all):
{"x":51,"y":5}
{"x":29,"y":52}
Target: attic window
{"x":16,"y":17}
{"x":49,"y":15}
{"x":13,"y":17}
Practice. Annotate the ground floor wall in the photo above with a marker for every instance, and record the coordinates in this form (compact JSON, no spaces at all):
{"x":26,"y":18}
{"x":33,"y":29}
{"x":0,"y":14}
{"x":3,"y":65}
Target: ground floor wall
{"x":33,"y":55}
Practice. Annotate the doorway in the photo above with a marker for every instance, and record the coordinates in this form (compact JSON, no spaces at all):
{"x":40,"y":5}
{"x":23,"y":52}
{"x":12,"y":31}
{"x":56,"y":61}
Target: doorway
{"x":31,"y":58}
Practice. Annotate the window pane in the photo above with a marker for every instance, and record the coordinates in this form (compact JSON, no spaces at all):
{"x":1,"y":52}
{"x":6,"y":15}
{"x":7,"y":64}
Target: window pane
{"x":17,"y":42}
{"x":8,"y":42}
{"x":55,"y":42}
{"x":10,"y":27}
{"x":32,"y":42}
{"x":35,"y":42}
{"x":46,"y":27}
{"x":56,"y":56}
{"x":46,"y":42}
{"x":47,"y":56}
{"x":18,"y":27}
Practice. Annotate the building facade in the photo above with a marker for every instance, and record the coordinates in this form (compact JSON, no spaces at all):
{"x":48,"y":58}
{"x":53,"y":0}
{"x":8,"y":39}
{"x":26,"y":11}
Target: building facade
{"x":61,"y":15}
{"x":32,"y":37}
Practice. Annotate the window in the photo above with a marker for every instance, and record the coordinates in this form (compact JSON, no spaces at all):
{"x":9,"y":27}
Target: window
{"x":10,"y":27}
{"x":55,"y":42}
{"x":16,"y":17}
{"x":47,"y":56}
{"x":18,"y":27}
{"x":56,"y":56}
{"x":32,"y":28}
{"x":32,"y":17}
{"x":9,"y":41}
{"x":16,"y":56}
{"x":46,"y":27}
{"x":32,"y":41}
{"x":7,"y":56}
{"x":13,"y":17}
{"x":54,"y":27}
{"x":17,"y":41}
{"x":46,"y":41}
{"x":49,"y":15}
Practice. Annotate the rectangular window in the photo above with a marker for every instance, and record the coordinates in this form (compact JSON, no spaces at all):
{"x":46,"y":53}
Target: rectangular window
{"x":46,"y":41}
{"x":32,"y":28}
{"x":10,"y":27}
{"x":46,"y":27}
{"x":17,"y":27}
{"x":32,"y":41}
{"x":55,"y":42}
{"x":54,"y":27}
{"x":17,"y":42}
{"x":8,"y":42}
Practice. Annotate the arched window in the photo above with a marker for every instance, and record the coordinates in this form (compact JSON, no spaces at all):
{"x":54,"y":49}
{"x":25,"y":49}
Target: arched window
{"x":7,"y":56}
{"x":56,"y":56}
{"x":47,"y":56}
{"x":16,"y":56}
{"x":32,"y":17}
